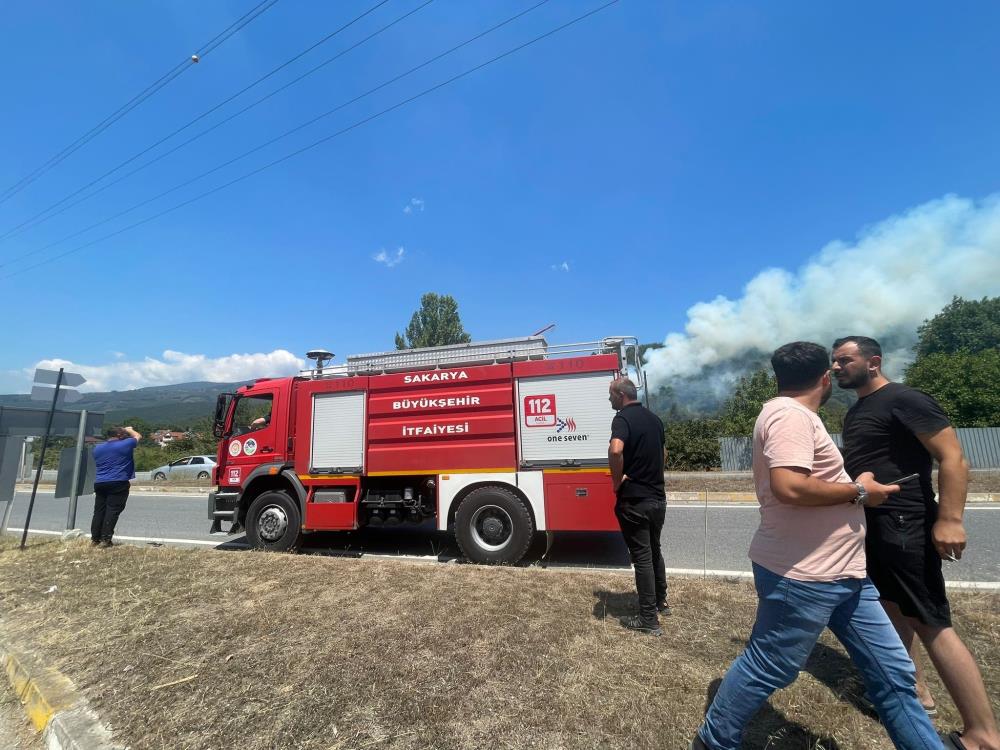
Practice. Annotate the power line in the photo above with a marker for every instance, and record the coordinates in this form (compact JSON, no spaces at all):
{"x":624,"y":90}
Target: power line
{"x":35,"y":221}
{"x":139,"y":98}
{"x":317,"y":143}
{"x":274,"y":140}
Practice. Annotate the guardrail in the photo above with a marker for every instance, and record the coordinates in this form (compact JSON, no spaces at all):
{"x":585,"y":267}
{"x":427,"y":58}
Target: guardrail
{"x":981,"y":446}
{"x":49,"y":477}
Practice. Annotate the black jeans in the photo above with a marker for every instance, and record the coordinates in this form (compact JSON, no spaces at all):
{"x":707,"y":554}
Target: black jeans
{"x":641,"y":521}
{"x":109,"y":502}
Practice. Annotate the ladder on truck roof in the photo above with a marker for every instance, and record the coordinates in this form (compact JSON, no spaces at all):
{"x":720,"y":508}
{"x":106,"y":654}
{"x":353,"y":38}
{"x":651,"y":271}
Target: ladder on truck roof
{"x":475,"y":353}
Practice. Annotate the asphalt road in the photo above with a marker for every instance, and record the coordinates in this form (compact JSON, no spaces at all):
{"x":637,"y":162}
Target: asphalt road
{"x":182,"y":519}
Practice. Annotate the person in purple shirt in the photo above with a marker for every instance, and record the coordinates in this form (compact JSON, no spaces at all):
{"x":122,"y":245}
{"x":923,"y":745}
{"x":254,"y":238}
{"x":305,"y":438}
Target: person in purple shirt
{"x":115,"y":467}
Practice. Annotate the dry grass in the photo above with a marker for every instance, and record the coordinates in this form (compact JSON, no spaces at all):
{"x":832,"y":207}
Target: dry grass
{"x":16,"y":730}
{"x":333,"y":653}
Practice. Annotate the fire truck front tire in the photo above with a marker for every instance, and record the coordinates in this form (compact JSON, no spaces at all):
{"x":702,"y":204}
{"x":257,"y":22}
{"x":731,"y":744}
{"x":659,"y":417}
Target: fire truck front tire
{"x":273,"y":522}
{"x":493,"y":526}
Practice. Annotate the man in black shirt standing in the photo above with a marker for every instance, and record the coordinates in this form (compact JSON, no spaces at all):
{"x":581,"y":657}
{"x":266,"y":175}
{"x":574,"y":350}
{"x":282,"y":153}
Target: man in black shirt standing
{"x":635,"y":455}
{"x":894,"y":431}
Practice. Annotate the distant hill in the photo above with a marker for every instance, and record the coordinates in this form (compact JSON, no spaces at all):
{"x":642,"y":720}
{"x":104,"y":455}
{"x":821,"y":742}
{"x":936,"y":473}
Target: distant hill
{"x":161,"y":406}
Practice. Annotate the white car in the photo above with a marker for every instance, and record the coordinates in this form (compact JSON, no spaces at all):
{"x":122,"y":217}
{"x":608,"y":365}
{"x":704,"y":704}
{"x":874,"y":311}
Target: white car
{"x":189,"y":467}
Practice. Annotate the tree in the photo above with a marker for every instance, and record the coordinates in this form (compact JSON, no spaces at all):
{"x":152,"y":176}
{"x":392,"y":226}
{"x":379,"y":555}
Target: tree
{"x":692,"y":445}
{"x":183,"y":445}
{"x":740,"y":412}
{"x":203,"y":440}
{"x":436,"y":323}
{"x":964,"y":383}
{"x":141,"y":426}
{"x":963,"y":325}
{"x":958,"y":361}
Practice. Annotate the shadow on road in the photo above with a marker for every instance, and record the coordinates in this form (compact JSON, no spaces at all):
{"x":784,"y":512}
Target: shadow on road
{"x":572,"y":549}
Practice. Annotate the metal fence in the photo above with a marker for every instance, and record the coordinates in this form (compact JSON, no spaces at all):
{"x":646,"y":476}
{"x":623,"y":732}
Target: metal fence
{"x":980,"y":444}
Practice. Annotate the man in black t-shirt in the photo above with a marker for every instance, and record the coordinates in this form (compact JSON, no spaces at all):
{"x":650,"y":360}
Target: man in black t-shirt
{"x":894,"y":430}
{"x":635,"y":455}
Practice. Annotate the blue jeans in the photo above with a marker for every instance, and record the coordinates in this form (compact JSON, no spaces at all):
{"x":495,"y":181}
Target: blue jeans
{"x":790,"y":617}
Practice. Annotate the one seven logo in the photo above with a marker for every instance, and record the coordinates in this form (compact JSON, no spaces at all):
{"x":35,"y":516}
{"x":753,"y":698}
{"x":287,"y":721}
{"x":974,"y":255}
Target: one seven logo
{"x":568,"y":424}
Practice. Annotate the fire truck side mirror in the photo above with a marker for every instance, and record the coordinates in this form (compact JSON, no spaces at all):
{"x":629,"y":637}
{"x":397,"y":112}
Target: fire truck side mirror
{"x":219,"y":420}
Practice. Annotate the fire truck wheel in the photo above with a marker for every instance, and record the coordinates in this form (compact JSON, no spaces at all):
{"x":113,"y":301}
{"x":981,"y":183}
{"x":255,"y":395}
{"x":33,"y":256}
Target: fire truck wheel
{"x":493,"y":526}
{"x":273,"y":522}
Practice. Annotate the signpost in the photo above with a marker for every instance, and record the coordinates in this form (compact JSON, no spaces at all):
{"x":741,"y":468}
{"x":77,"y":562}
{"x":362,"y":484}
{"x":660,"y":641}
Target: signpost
{"x":18,"y":428}
{"x":39,"y":392}
{"x":79,"y":457}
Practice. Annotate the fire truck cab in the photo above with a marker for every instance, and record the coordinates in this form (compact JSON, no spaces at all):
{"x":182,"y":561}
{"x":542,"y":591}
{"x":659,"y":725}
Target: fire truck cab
{"x":496,"y":440}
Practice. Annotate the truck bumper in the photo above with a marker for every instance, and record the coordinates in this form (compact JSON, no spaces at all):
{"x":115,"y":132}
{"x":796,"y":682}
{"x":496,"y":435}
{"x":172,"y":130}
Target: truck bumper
{"x":222,"y":506}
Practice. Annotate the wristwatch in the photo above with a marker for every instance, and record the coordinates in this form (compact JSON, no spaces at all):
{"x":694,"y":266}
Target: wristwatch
{"x":862,"y":494}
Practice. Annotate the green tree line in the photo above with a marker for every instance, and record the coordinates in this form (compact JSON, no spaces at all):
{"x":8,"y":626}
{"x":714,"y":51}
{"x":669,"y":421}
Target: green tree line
{"x":957,"y":361}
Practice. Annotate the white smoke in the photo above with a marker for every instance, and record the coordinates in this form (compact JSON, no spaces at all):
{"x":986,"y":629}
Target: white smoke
{"x":895,"y":275}
{"x":178,"y":367}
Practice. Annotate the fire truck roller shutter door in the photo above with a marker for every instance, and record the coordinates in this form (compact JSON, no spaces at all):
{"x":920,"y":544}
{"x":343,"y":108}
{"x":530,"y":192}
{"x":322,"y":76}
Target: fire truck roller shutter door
{"x":338,"y":432}
{"x":564,"y":419}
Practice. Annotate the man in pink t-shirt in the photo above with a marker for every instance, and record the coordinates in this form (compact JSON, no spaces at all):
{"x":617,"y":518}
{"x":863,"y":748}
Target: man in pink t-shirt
{"x":809,"y":567}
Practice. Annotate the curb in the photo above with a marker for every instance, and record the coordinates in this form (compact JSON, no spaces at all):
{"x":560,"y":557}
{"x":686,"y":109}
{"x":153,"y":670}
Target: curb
{"x":55,"y":707}
{"x":136,"y":488}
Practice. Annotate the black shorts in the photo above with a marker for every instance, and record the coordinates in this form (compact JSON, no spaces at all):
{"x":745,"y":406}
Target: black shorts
{"x":904,"y":565}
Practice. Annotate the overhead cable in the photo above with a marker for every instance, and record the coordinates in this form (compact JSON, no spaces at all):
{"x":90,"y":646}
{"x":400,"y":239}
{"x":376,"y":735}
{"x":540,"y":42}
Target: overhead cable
{"x":277,"y":138}
{"x":35,"y":220}
{"x":139,"y":98}
{"x":312,"y":145}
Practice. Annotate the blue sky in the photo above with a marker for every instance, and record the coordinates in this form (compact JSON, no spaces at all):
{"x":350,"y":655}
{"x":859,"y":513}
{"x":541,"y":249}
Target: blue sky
{"x":607,"y":179}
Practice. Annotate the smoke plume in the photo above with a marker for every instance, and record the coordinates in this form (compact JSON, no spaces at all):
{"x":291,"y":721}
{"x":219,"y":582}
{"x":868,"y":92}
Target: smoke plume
{"x":895,"y":275}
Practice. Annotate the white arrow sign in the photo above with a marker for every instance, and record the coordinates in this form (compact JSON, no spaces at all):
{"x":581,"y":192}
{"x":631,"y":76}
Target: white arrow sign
{"x":44,"y":393}
{"x":49,"y":377}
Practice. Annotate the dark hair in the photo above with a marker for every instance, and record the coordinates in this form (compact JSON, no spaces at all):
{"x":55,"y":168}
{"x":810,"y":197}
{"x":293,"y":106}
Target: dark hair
{"x":625,"y":387}
{"x":868,"y":347}
{"x":115,"y":432}
{"x":799,"y":365}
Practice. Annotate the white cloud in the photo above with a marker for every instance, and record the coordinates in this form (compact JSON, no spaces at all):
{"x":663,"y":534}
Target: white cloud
{"x":389,"y":259}
{"x":416,"y":205}
{"x":178,"y":367}
{"x":564,"y":267}
{"x":892,"y":277}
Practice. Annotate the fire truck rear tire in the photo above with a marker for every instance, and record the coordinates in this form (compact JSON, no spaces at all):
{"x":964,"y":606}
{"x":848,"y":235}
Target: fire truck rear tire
{"x":273,"y":522}
{"x":493,"y":526}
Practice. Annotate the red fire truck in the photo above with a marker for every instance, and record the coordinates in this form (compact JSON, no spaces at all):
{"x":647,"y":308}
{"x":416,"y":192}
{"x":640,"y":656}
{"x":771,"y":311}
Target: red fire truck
{"x":497,"y":440}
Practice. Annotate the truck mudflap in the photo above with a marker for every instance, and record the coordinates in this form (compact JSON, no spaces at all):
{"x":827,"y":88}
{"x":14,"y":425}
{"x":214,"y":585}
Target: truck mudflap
{"x":222,"y":506}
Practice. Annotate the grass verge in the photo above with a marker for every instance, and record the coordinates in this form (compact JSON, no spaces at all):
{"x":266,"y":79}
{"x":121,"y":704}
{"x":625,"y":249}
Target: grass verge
{"x":205,"y":649}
